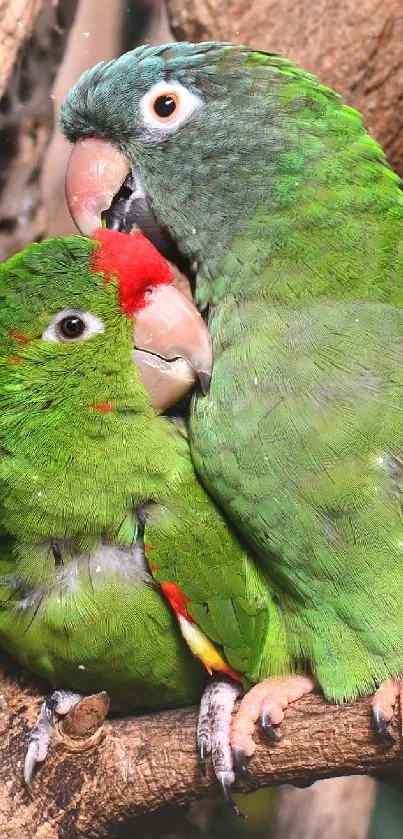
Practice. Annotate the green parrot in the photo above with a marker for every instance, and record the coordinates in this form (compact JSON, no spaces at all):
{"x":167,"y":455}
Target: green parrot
{"x":96,"y":487}
{"x":267,"y":189}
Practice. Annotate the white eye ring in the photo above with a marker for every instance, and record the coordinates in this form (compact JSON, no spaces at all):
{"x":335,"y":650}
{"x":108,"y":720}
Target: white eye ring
{"x":80,"y":324}
{"x":184,"y":105}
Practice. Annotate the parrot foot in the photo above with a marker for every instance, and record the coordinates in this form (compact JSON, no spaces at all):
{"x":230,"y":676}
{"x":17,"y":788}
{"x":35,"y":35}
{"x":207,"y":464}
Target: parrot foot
{"x":383,"y":703}
{"x":60,"y":702}
{"x":267,"y":702}
{"x":213,"y":734}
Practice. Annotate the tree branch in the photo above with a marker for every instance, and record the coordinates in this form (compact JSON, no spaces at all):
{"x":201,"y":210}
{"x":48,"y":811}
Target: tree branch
{"x":89,"y":786}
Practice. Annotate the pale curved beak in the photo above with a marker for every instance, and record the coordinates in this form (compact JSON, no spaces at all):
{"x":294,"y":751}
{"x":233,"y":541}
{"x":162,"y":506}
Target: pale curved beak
{"x":95,"y":173}
{"x":172,"y":347}
{"x":172,"y":344}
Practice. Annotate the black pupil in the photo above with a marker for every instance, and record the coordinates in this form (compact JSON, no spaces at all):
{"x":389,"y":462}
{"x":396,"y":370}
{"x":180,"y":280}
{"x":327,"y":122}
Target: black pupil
{"x":71,"y":327}
{"x":164,"y":106}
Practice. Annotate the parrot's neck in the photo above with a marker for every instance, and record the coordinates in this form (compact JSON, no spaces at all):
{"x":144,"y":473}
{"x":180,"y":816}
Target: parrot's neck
{"x":340,"y":241}
{"x":302,"y":206}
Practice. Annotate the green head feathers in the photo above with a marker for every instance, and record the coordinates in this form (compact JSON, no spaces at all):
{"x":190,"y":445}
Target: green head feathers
{"x":66,"y":347}
{"x":74,"y":417}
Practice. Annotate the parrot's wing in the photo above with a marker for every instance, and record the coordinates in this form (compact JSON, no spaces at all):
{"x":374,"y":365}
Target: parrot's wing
{"x":221,"y":597}
{"x":308,"y":467}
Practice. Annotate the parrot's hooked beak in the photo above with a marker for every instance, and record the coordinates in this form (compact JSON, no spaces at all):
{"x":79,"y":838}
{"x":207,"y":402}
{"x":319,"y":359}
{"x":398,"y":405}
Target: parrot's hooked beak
{"x":172,"y":347}
{"x":172,"y":344}
{"x":95,"y":172}
{"x":101,"y":187}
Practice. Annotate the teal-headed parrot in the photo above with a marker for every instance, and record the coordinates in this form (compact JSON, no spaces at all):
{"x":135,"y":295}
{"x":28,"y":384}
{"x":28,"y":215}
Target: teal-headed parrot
{"x":270,"y":194}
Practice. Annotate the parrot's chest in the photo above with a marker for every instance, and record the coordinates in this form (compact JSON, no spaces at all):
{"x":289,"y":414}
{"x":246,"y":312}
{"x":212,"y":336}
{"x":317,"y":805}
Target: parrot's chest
{"x":101,"y":625}
{"x":80,"y":600}
{"x":300,"y":399}
{"x":285,"y":373}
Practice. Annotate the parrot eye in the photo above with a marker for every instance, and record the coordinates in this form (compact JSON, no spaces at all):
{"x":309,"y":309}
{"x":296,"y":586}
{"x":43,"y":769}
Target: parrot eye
{"x":73,"y":325}
{"x":167,"y":105}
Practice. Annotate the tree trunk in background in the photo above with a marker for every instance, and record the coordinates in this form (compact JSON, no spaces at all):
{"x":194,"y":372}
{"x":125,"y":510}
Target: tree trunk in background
{"x":17,"y":21}
{"x":355,"y":48}
{"x":26,"y":111}
{"x":94,"y":37}
{"x":338,"y":808}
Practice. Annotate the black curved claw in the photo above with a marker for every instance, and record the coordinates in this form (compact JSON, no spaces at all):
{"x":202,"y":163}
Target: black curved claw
{"x":225,"y":784}
{"x":381,"y":726}
{"x":268,"y":728}
{"x":241,"y":766}
{"x":203,"y":753}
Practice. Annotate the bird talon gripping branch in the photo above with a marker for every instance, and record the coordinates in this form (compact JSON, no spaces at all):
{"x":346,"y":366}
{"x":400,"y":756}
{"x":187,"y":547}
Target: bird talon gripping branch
{"x":383,"y":704}
{"x":58,"y":704}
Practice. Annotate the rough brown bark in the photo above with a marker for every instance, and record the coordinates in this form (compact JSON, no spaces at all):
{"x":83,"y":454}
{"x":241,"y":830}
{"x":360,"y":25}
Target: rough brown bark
{"x":32,"y":39}
{"x":17,"y":19}
{"x":95,"y":785}
{"x":355,"y":48}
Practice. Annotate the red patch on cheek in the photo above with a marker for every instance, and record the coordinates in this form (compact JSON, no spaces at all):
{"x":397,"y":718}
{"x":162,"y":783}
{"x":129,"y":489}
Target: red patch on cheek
{"x":177,"y":599}
{"x":102,"y":407}
{"x":15,"y":359}
{"x":20,"y":337}
{"x":135,"y":262}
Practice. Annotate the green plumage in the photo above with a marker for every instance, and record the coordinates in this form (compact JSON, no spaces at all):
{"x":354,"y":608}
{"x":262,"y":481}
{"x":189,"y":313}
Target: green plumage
{"x":78,"y":485}
{"x":295,"y":222}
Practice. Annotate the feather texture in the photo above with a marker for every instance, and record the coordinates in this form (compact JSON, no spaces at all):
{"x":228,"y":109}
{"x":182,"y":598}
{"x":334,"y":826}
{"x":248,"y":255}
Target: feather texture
{"x":294,"y":221}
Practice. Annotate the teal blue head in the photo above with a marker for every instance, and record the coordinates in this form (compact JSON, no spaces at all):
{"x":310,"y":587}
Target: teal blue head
{"x":181,"y":140}
{"x":188,"y":142}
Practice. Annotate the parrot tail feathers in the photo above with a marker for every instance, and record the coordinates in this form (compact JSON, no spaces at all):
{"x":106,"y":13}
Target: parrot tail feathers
{"x":196,"y":640}
{"x":203,"y":649}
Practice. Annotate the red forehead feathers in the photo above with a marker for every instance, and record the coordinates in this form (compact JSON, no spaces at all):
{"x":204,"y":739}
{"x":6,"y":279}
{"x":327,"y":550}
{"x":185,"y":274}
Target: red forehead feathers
{"x":134,"y":261}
